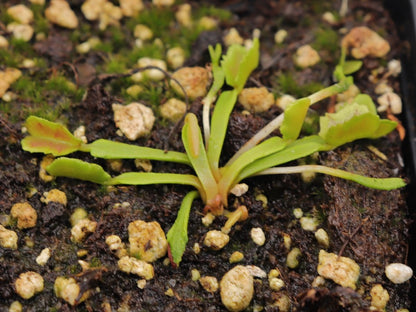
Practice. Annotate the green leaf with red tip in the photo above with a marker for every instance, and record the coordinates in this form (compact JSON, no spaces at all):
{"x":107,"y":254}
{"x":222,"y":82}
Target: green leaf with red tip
{"x":49,"y":138}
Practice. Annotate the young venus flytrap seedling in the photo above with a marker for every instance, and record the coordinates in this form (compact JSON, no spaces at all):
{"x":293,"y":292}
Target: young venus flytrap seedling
{"x":212,"y":182}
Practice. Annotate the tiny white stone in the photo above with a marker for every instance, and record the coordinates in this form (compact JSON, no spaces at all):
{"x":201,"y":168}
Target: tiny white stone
{"x":239,"y":189}
{"x":141,"y":283}
{"x":183,"y":15}
{"x":21,"y":13}
{"x":25,"y":214}
{"x":59,"y":12}
{"x":306,"y":56}
{"x":173,"y":109}
{"x":379,"y":297}
{"x":207,"y":23}
{"x":8,"y":238}
{"x":257,"y":235}
{"x":398,"y":272}
{"x":135,"y":266}
{"x":255,"y":271}
{"x":81,"y":228}
{"x":209,"y":283}
{"x":284,"y":101}
{"x":308,"y":223}
{"x":21,"y":31}
{"x":322,"y":237}
{"x":134,"y":120}
{"x":382,"y":88}
{"x":232,"y":37}
{"x":216,"y":240}
{"x":143,"y":32}
{"x":280,"y":35}
{"x":394,"y":67}
{"x":147,"y":240}
{"x":152,"y":74}
{"x":16,"y":306}
{"x":330,"y":18}
{"x":298,"y":213}
{"x":195,"y":274}
{"x":43,"y":257}
{"x":276,"y":283}
{"x":392,"y":100}
{"x":175,"y":57}
{"x":208,"y":219}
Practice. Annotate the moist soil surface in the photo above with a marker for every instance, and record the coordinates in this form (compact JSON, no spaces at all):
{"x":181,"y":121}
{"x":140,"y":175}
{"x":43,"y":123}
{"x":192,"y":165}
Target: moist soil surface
{"x":369,"y":226}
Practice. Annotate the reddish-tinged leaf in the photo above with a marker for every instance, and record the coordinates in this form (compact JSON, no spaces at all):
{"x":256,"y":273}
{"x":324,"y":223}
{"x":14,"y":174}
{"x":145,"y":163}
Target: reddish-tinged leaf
{"x":49,"y":138}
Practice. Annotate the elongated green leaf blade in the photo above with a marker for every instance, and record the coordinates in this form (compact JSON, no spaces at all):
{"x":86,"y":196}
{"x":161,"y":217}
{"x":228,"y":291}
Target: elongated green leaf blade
{"x":219,"y":124}
{"x":78,"y":169}
{"x":264,"y":149}
{"x":295,"y":150}
{"x":49,"y":138}
{"x":148,"y":178}
{"x":115,"y":150}
{"x":194,"y":146}
{"x":294,"y":116}
{"x":375,"y":183}
{"x":177,"y":236}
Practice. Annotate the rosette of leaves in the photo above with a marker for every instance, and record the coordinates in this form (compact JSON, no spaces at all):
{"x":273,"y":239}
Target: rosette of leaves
{"x":260,"y":155}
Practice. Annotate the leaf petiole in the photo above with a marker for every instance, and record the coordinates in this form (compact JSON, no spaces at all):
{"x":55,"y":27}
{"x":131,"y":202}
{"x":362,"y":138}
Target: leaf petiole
{"x":375,"y":183}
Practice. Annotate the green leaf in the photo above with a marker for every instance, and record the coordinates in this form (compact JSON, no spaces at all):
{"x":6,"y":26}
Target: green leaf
{"x":148,"y":178}
{"x":375,"y":183}
{"x":194,"y":146}
{"x":367,"y":101}
{"x":215,"y":54}
{"x":230,"y":173}
{"x":294,"y":116}
{"x":386,"y":126}
{"x":78,"y":169}
{"x":115,"y":150}
{"x":351,"y":67}
{"x":49,"y":138}
{"x":219,"y":124}
{"x":295,"y":150}
{"x":352,"y":122}
{"x":239,"y":62}
{"x":177,"y":236}
{"x":217,"y":71}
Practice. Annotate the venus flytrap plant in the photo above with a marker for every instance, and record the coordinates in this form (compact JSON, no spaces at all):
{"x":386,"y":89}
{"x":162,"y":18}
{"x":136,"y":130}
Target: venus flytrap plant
{"x":212,"y":182}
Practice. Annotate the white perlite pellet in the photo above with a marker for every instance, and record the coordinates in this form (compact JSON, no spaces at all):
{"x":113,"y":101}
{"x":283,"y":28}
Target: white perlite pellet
{"x":216,"y":239}
{"x":43,"y":257}
{"x":258,"y":237}
{"x":398,"y":273}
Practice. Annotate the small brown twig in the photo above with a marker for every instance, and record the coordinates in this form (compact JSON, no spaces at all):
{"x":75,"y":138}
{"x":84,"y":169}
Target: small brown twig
{"x":349,"y":238}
